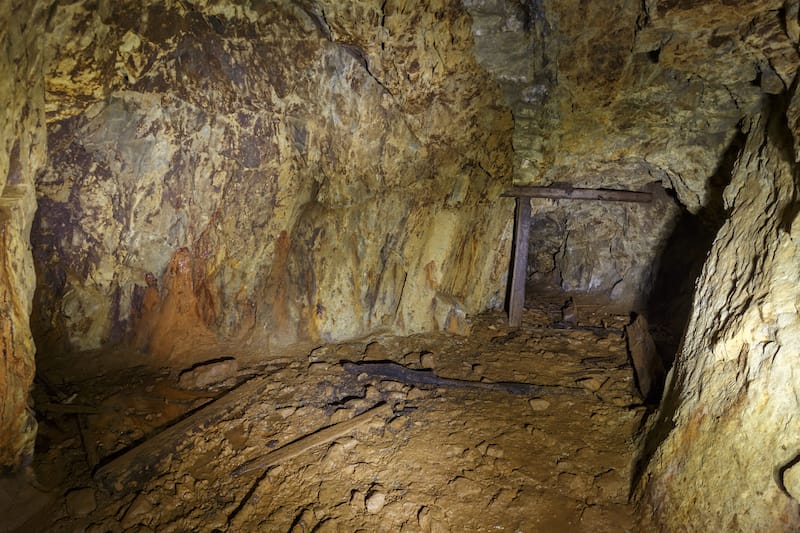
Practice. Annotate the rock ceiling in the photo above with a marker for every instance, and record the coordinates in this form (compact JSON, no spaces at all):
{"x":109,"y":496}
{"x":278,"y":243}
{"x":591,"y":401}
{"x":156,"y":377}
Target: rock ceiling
{"x":621,"y":92}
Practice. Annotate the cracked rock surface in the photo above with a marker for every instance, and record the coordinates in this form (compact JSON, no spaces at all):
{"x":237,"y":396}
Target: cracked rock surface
{"x":272,"y":173}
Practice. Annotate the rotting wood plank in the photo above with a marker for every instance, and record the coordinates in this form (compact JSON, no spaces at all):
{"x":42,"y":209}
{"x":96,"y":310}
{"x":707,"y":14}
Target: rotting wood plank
{"x":570,"y":193}
{"x":522,"y":228}
{"x":312,"y":440}
{"x":647,"y":363}
{"x":127,"y":471}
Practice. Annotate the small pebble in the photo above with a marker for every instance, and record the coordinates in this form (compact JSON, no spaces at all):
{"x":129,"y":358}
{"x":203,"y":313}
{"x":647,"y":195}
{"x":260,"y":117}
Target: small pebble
{"x":398,"y":424}
{"x":357,"y":500}
{"x":286,"y":412}
{"x":81,"y":502}
{"x":341,"y":415}
{"x":495,"y":451}
{"x":392,"y":386}
{"x":539,"y":404}
{"x":593,"y":384}
{"x":138,"y":512}
{"x":415,"y":394}
{"x":375,"y":502}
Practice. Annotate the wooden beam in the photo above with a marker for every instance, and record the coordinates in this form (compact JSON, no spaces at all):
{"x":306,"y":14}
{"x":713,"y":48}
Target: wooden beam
{"x":522,"y":228}
{"x":306,"y":442}
{"x":135,"y":466}
{"x":569,"y":193}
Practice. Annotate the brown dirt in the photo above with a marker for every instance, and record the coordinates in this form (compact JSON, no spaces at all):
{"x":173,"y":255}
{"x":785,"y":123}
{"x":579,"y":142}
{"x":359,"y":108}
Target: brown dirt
{"x":449,"y":459}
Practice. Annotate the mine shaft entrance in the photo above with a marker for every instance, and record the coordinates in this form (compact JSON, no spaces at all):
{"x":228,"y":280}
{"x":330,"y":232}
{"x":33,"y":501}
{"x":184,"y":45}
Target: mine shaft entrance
{"x":522,"y":223}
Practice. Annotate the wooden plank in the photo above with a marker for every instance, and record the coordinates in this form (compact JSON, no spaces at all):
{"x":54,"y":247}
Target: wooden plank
{"x":646,"y":361}
{"x":522,"y":228}
{"x":568,"y":193}
{"x":411,"y":376}
{"x":312,"y":440}
{"x":129,"y":470}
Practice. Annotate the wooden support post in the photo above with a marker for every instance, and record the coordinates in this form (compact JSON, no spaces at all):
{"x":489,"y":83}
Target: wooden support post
{"x":522,"y":228}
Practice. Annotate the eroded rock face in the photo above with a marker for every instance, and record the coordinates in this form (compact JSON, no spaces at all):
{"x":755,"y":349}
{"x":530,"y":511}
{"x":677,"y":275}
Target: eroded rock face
{"x":623,"y":93}
{"x":22,"y":152}
{"x":607,"y":253}
{"x":727,"y":463}
{"x":268,"y":173}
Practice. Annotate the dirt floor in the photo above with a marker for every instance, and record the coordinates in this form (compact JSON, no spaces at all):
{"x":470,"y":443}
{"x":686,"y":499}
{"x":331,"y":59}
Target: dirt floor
{"x":443,"y":456}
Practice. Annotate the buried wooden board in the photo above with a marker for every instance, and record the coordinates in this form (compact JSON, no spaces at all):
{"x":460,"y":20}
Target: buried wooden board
{"x":312,"y":440}
{"x":138,"y":464}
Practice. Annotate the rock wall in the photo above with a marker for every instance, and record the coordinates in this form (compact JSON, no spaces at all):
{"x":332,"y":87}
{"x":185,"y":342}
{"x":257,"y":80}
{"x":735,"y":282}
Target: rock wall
{"x":621,"y":94}
{"x":606,"y":253}
{"x":728,"y":434}
{"x":267,"y":174}
{"x":22,"y":152}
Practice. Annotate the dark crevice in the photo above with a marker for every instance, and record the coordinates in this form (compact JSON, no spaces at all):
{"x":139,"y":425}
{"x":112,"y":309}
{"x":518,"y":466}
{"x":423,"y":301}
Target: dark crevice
{"x":684,"y":255}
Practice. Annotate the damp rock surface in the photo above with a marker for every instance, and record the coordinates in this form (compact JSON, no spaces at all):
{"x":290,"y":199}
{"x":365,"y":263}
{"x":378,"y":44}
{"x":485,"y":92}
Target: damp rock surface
{"x":727,"y":429}
{"x":22,"y":154}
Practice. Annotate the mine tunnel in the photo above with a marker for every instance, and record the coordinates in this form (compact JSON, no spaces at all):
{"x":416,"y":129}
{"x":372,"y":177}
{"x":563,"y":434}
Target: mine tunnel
{"x":430,"y":265}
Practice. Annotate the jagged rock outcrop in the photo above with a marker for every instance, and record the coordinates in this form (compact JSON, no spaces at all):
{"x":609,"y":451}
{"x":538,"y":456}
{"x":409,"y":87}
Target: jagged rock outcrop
{"x":728,"y":459}
{"x":271,"y":173}
{"x":22,"y":152}
{"x":624,"y":93}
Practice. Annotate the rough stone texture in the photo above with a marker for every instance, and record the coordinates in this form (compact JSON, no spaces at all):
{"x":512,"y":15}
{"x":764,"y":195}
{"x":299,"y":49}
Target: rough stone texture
{"x":621,"y":93}
{"x":208,"y":374}
{"x":270,"y":173}
{"x":603,"y":88}
{"x":22,"y":152}
{"x":606,"y":252}
{"x":732,"y":402}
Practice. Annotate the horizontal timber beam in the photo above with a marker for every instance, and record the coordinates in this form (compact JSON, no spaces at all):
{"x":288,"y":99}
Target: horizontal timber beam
{"x":569,"y":193}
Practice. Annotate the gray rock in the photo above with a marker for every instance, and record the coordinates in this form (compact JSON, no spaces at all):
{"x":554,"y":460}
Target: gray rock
{"x":207,"y":374}
{"x":81,"y":502}
{"x":375,"y":502}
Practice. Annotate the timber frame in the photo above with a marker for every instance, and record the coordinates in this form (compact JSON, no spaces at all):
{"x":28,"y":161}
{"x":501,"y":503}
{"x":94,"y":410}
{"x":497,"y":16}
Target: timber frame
{"x":522,"y":226}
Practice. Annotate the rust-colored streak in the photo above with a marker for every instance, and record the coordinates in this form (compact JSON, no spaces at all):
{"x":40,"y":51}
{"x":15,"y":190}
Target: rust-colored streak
{"x":171,"y":326}
{"x":279,"y":281}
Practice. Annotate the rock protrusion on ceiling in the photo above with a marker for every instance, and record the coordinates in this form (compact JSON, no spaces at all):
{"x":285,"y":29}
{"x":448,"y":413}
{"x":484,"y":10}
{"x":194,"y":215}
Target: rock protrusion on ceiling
{"x":599,"y":88}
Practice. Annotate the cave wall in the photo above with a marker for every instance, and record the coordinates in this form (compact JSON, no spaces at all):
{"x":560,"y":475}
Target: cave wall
{"x":22,"y":152}
{"x":730,"y":461}
{"x":606,"y":253}
{"x":622,"y":94}
{"x":266,"y":173}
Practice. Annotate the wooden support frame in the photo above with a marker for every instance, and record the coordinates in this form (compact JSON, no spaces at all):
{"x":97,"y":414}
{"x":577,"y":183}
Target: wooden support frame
{"x":522,"y":229}
{"x":570,"y":193}
{"x":522,"y":226}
